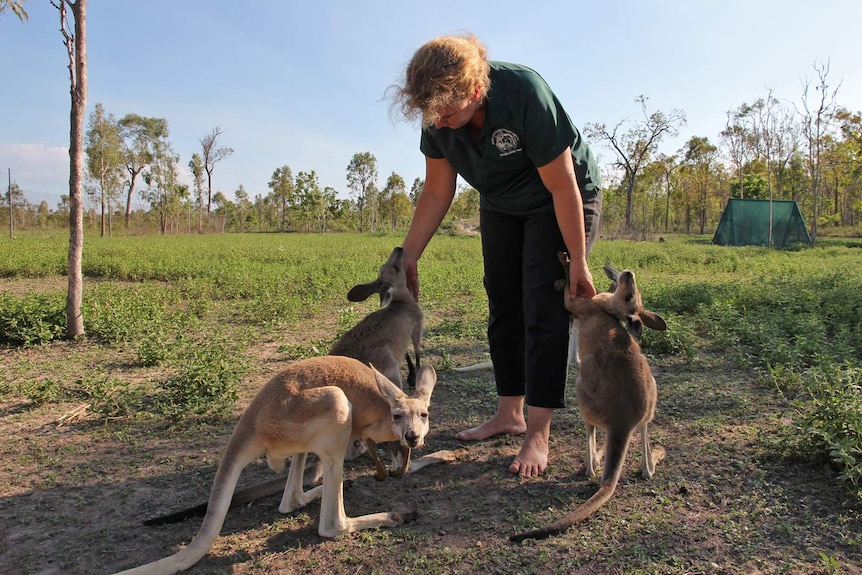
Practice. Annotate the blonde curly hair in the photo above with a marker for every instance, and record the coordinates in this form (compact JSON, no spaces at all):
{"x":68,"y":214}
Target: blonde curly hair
{"x":442,"y":73}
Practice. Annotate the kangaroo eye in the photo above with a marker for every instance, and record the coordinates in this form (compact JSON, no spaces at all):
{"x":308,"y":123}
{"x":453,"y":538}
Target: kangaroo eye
{"x":424,"y":415}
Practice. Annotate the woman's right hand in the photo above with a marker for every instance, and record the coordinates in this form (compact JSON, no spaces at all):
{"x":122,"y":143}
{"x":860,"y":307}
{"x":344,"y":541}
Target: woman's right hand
{"x":411,"y":270}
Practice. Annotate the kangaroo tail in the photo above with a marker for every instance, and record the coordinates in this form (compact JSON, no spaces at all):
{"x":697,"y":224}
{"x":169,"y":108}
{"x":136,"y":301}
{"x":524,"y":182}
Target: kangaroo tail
{"x":219,"y":502}
{"x":615,"y":454}
{"x":475,"y":367}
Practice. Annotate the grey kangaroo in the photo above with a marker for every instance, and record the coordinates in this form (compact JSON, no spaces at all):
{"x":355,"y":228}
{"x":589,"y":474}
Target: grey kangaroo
{"x":615,"y":389}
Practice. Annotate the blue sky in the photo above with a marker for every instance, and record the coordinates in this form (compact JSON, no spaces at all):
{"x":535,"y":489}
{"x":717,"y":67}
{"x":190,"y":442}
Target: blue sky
{"x":302,"y":83}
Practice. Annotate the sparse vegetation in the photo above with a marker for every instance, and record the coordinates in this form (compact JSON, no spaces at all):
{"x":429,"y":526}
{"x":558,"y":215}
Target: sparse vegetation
{"x":760,"y":409}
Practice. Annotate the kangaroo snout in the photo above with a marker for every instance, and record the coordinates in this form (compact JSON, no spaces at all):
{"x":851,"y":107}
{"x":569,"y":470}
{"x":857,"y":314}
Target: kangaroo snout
{"x":410,"y":422}
{"x":412,"y":439}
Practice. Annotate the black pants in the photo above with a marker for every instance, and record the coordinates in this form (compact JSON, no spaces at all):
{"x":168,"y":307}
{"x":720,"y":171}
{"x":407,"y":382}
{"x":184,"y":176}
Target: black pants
{"x":528,"y":326}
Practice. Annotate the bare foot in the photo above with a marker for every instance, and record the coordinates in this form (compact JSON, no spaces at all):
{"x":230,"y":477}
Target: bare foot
{"x":497,"y":425}
{"x":509,"y":419}
{"x":532,"y":460}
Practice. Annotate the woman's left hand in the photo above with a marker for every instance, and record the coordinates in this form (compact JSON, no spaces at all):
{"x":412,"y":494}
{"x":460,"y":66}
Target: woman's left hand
{"x":580,"y":279}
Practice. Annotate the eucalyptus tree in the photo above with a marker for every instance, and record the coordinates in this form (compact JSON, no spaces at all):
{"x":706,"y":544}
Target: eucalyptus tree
{"x":840,"y":181}
{"x":701,"y":168}
{"x":139,"y":138}
{"x":362,"y":183}
{"x":196,"y":167}
{"x":850,"y":125}
{"x":310,"y":200}
{"x":740,"y":142}
{"x":635,"y":146}
{"x":13,"y":199}
{"x":841,"y":170}
{"x":212,"y":153}
{"x":333,"y":207}
{"x":647,"y":209}
{"x":787,"y":137}
{"x":104,"y":161}
{"x":161,"y":178}
{"x":816,"y":115}
{"x":394,"y":202}
{"x":224,"y":209}
{"x":244,"y":207}
{"x":667,"y":165}
{"x":284,"y":192}
{"x":75,"y":40}
{"x":416,"y":189}
{"x":16,"y":7}
{"x":465,"y":205}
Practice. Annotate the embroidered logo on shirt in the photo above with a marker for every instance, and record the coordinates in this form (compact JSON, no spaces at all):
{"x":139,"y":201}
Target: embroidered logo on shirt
{"x":506,"y":141}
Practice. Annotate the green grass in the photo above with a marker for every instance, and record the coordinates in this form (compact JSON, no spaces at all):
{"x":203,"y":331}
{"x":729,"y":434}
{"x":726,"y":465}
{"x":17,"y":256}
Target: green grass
{"x":190,"y":305}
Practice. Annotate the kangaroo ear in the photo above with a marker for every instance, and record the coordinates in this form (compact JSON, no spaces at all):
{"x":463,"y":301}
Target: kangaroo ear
{"x":560,"y":285}
{"x":390,"y":392}
{"x":386,"y":294}
{"x":563,"y":257}
{"x":634,"y":326}
{"x":653,"y":320}
{"x":362,"y":292}
{"x":426,"y":379}
{"x":613,"y":275}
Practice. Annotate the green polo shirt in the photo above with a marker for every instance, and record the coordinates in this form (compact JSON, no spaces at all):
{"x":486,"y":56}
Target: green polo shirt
{"x":525,"y":127}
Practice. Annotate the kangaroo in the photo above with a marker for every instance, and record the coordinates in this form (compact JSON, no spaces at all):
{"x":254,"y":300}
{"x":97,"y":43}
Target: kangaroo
{"x":615,"y":389}
{"x":382,"y":338}
{"x":315,"y":405}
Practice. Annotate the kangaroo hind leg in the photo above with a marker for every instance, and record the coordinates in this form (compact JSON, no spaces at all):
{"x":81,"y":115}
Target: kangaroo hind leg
{"x":294,"y":497}
{"x":650,"y":456}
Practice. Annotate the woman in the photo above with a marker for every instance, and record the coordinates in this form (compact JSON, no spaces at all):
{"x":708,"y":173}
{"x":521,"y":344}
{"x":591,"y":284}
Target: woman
{"x":501,"y":128}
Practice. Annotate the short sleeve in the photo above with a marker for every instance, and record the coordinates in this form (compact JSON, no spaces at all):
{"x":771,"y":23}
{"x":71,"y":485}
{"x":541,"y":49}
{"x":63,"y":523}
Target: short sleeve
{"x":548,"y":131}
{"x":429,"y":147}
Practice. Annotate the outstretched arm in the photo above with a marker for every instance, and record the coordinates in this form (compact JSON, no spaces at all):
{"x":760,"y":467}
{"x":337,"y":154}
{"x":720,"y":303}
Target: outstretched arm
{"x":431,"y":208}
{"x":559,"y":177}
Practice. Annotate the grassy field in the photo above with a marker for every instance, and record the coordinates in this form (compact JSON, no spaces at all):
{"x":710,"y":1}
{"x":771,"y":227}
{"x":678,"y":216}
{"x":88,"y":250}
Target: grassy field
{"x":760,"y":410}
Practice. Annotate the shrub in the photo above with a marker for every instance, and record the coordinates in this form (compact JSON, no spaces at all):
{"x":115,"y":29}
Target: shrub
{"x":112,"y":398}
{"x":114,"y":315}
{"x":41,"y":391}
{"x":679,"y":339}
{"x":206,"y":382}
{"x":829,"y":419}
{"x":34,"y":319}
{"x":156,"y":346}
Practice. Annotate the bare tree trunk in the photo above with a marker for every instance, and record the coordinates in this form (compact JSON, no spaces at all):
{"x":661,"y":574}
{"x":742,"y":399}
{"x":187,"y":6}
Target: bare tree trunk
{"x":103,"y":222}
{"x":630,"y":195}
{"x":128,"y":214}
{"x":76,"y":47}
{"x":133,"y":176}
{"x":11,"y":219}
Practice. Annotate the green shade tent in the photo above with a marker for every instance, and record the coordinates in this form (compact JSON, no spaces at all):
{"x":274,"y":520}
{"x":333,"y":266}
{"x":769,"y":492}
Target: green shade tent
{"x":746,"y":223}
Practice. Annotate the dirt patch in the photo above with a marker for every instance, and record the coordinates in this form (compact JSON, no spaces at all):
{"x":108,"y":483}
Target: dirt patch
{"x":72,"y":497}
{"x":22,"y":286}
